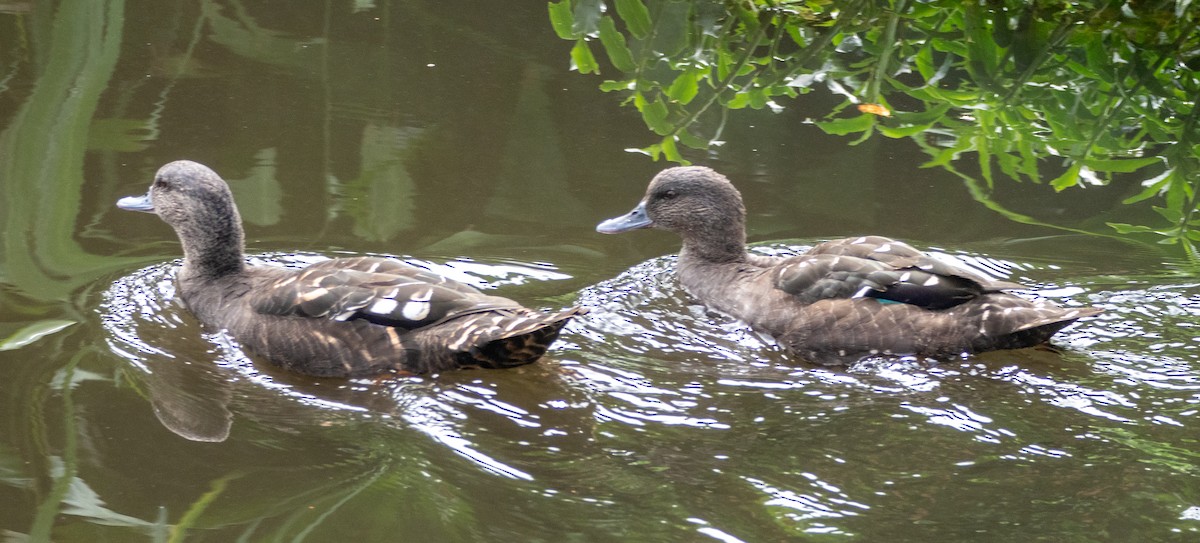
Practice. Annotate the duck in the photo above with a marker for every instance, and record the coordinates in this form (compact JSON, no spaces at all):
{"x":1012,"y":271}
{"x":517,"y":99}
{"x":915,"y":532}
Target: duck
{"x":343,"y":317}
{"x":844,"y":300}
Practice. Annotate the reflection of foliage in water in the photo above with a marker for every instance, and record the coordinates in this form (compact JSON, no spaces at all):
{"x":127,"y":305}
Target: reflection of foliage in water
{"x":1089,"y":89}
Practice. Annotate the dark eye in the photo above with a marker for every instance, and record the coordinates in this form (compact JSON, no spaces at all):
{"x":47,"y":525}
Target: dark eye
{"x":666,"y":194}
{"x":160,"y":183}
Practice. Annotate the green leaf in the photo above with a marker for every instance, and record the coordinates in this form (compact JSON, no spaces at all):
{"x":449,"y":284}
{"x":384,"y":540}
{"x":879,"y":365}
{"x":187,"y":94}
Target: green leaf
{"x":793,"y":32}
{"x":1173,"y":216}
{"x":685,"y":87}
{"x":851,"y":125}
{"x":636,"y":17}
{"x":961,"y":97}
{"x":1123,"y":228}
{"x":924,"y":61}
{"x":866,"y":135}
{"x":758,"y":97}
{"x":191,"y":517}
{"x":749,"y":18}
{"x":739,"y":101}
{"x":929,"y":116}
{"x":1176,"y":193}
{"x":944,"y":156}
{"x":32,"y":333}
{"x":1153,"y":187}
{"x":983,"y":57}
{"x":1069,"y":178}
{"x":614,"y":45}
{"x":671,"y":28}
{"x":954,"y":46}
{"x":1083,"y":69}
{"x":925,"y":94}
{"x":654,"y":114}
{"x":724,"y":64}
{"x":1119,"y":165}
{"x":671,"y":152}
{"x":903,"y":131}
{"x":562,"y":20}
{"x":691,"y":140}
{"x":587,"y":14}
{"x":610,"y":85}
{"x":1098,"y":55}
{"x":651,"y":151}
{"x":1029,"y":160}
{"x":581,"y":55}
{"x":984,"y":152}
{"x":1010,"y":164}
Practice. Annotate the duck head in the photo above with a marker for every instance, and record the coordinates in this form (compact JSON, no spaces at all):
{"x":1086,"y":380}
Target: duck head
{"x":697,"y":203}
{"x":197,"y":204}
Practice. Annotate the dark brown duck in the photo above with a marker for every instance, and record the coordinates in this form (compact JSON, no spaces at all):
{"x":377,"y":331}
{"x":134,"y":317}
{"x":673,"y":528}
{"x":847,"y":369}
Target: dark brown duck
{"x":345,"y":317}
{"x":843,"y":299}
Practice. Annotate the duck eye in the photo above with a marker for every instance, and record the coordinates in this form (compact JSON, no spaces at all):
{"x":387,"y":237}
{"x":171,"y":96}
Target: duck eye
{"x":666,"y":194}
{"x":160,"y":183}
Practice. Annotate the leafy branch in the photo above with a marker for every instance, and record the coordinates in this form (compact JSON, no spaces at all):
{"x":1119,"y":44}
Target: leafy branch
{"x":1090,"y":91}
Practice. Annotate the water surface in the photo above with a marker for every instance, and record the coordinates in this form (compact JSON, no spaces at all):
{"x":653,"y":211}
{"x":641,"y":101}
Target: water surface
{"x":454,"y":135}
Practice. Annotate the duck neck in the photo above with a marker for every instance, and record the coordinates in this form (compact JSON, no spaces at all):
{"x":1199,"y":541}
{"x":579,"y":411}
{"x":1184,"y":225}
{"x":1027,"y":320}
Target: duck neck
{"x":715,"y":243}
{"x":215,"y":249}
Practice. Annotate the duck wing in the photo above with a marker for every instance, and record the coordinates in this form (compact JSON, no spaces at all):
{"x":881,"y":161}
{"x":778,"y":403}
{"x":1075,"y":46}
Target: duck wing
{"x":881,"y":268}
{"x":375,"y":264}
{"x":900,"y":255}
{"x":394,"y":294}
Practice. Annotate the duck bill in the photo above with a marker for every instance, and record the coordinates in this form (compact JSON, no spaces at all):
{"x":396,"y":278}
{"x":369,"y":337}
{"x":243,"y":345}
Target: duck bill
{"x":136,"y":203}
{"x":630,"y":221}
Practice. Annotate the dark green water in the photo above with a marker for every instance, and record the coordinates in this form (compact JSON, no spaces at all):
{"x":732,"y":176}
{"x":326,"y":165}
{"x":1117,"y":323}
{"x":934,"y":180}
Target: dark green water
{"x":454,"y":134}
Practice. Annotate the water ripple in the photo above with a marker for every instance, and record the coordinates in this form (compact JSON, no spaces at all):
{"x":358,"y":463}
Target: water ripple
{"x":648,"y":338}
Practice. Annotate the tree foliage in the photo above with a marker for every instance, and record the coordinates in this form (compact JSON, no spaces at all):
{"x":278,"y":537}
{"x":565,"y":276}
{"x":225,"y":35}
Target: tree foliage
{"x":1085,"y":89}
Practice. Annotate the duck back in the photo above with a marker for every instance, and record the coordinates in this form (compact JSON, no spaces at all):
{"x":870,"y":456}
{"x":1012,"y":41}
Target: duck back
{"x":335,"y":319}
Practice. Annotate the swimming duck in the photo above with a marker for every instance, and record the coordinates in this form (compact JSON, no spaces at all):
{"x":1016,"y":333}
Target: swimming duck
{"x":346,"y":317}
{"x":843,"y":300}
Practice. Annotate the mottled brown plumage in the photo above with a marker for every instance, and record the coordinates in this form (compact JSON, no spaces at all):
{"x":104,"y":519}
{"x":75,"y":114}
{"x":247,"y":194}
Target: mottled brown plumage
{"x":844,"y":299}
{"x":338,"y":318}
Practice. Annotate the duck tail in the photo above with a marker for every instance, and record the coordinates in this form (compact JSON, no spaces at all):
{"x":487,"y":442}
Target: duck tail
{"x":518,"y":339}
{"x":1044,"y":323}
